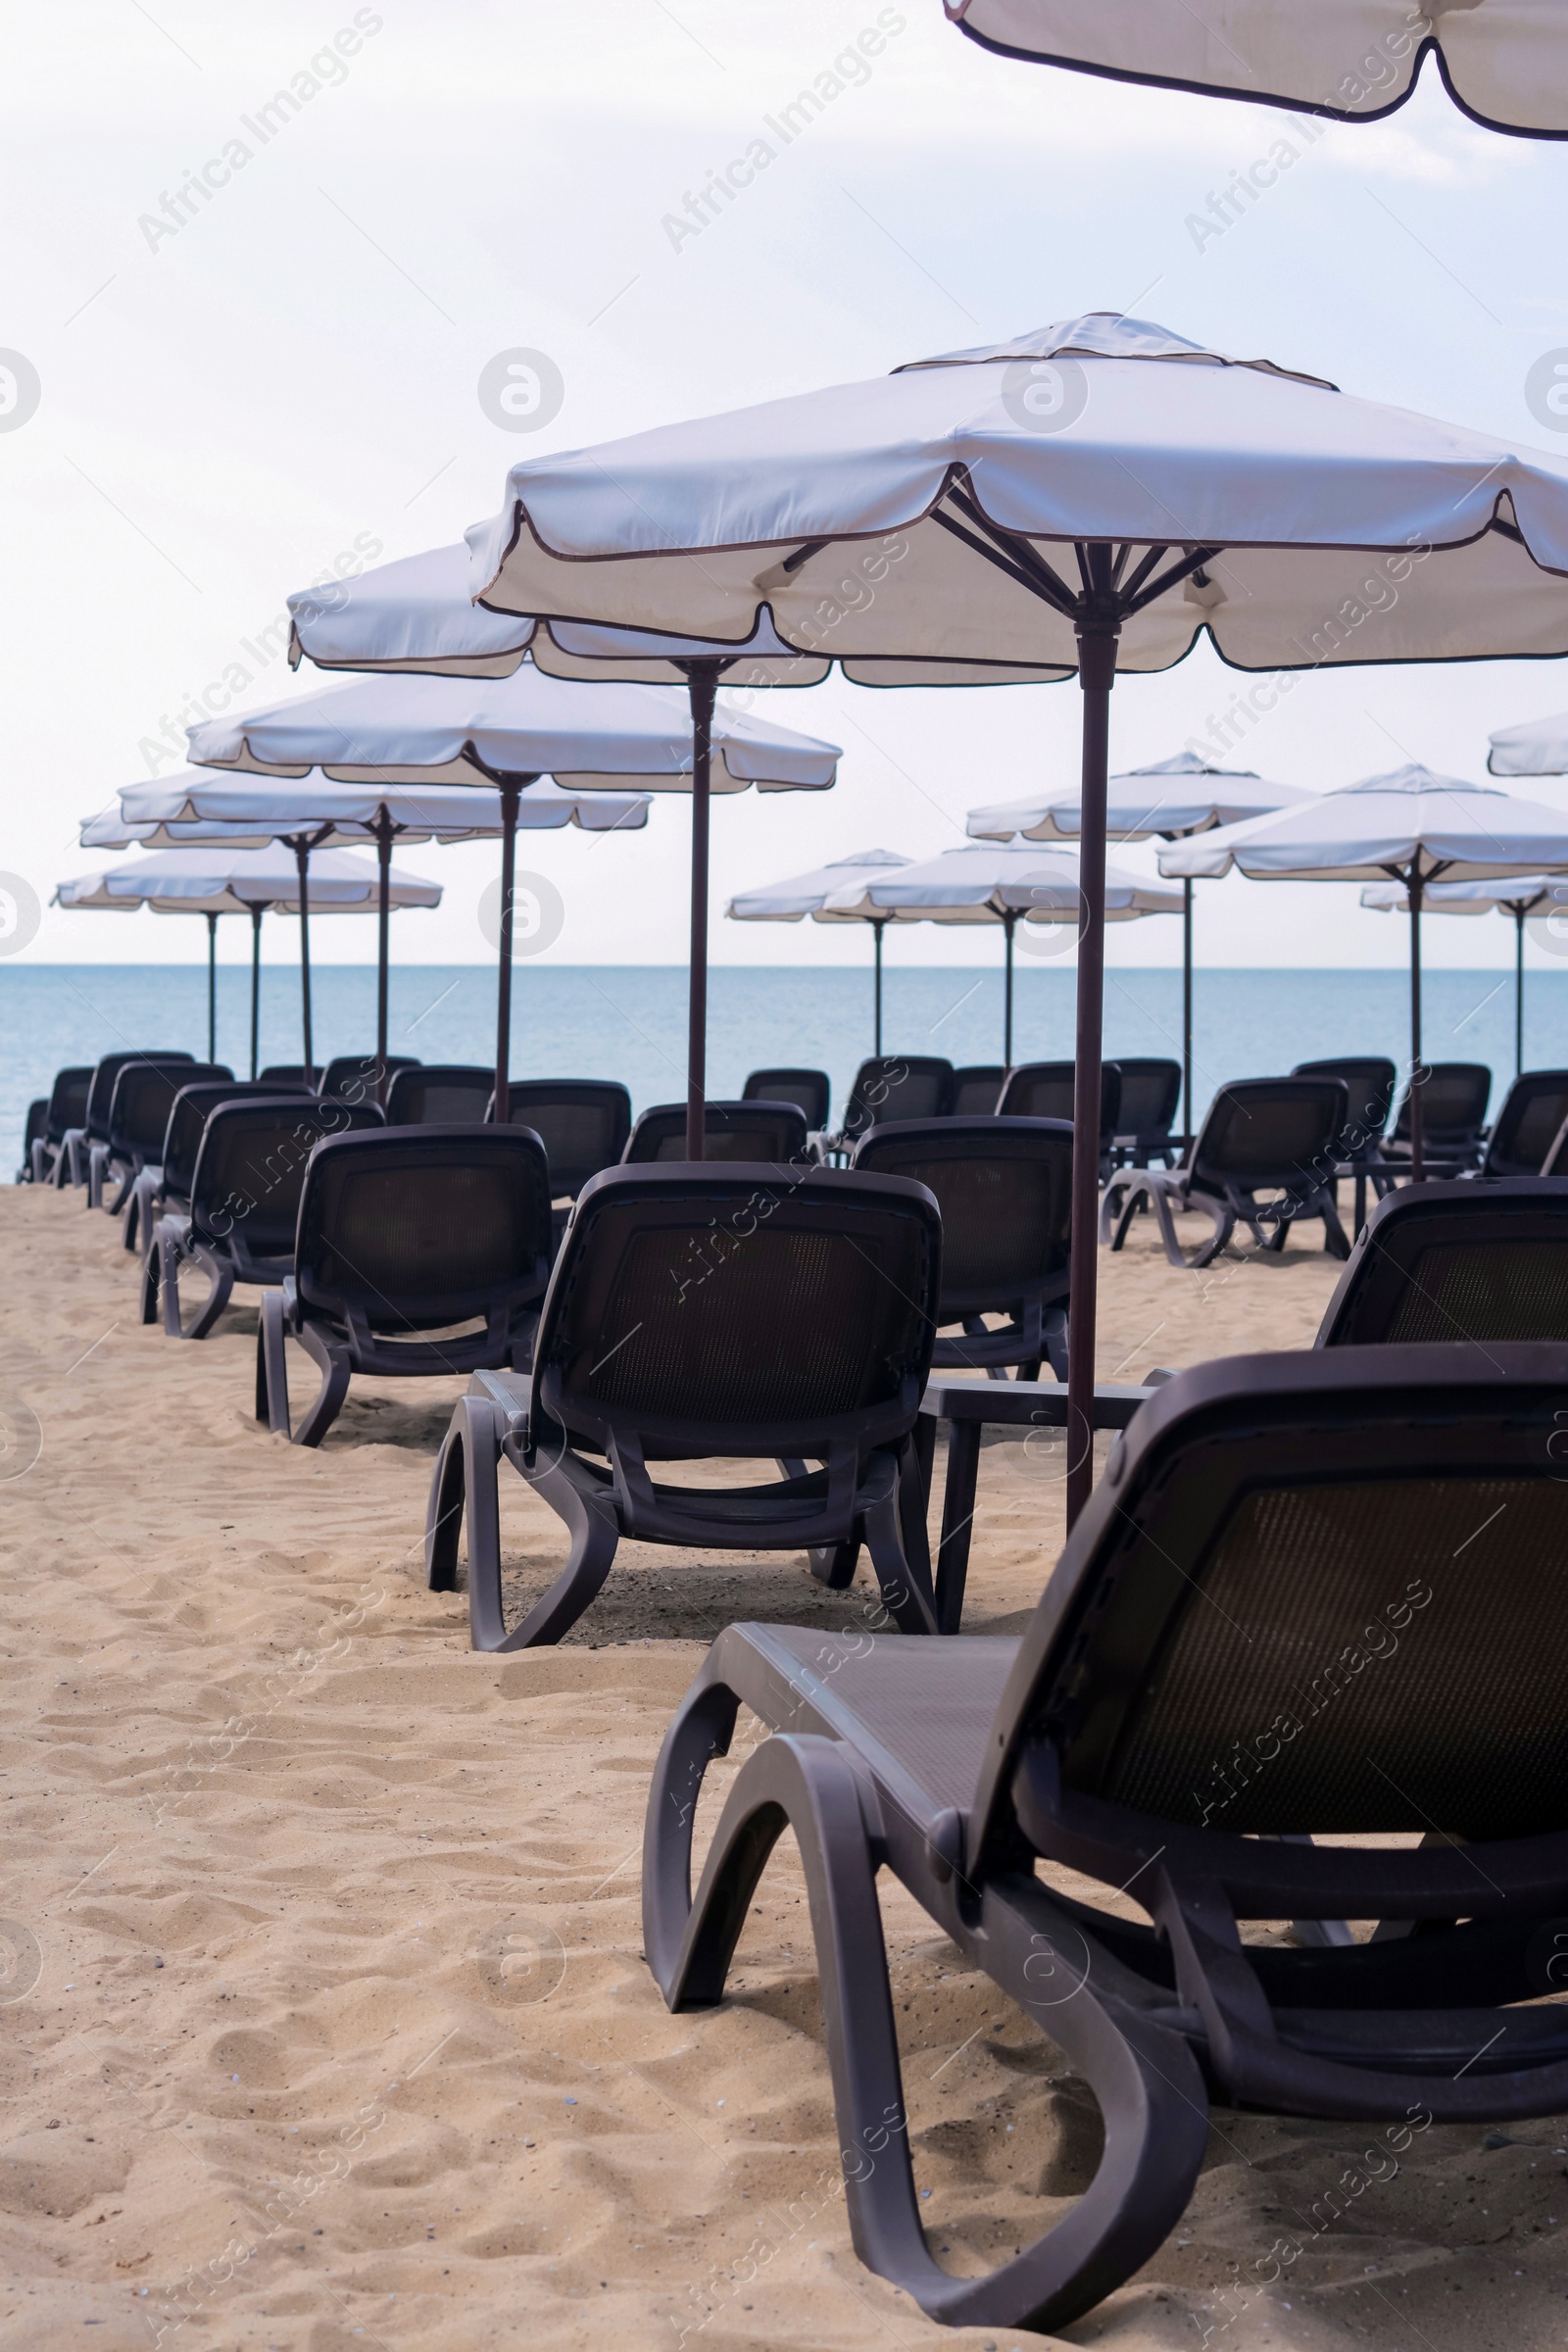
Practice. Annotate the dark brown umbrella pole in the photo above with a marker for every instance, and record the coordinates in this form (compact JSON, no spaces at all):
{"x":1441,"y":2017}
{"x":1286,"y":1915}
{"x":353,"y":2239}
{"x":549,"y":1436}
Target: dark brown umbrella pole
{"x":1097,"y":672}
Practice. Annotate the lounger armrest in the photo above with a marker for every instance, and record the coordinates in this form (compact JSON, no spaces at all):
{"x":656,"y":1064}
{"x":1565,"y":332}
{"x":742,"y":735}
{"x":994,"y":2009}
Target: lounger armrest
{"x":1028,"y":1403}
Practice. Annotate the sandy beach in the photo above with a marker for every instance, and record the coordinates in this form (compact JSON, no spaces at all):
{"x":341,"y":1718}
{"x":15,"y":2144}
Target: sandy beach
{"x":326,"y":2021}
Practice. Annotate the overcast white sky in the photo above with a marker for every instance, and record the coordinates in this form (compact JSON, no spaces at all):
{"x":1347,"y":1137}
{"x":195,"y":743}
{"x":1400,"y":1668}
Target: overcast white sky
{"x":231,"y":407}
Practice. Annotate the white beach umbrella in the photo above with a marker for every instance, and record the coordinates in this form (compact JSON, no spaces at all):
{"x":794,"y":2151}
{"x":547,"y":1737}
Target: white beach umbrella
{"x":801,"y":895}
{"x":1169,"y":799}
{"x":1521,"y":896}
{"x":1536,"y":748}
{"x":217,"y":879}
{"x":1505,"y":62}
{"x":1411,"y":827}
{"x":1092,"y":496}
{"x":509,"y":732}
{"x":417,"y":614}
{"x":201,"y":805}
{"x":998,"y":885}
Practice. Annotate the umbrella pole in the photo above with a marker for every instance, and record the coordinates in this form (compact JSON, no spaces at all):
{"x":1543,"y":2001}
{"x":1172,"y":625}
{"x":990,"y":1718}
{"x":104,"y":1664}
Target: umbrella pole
{"x":511,"y":794}
{"x":1097,"y":673}
{"x":383,"y":860}
{"x":255,"y":982}
{"x":1518,"y":991}
{"x":302,"y":860}
{"x":1187,"y":1008}
{"x":701,"y":684}
{"x":211,"y":988}
{"x":1008,"y":922}
{"x":1417,"y":1170}
{"x":877,"y":930}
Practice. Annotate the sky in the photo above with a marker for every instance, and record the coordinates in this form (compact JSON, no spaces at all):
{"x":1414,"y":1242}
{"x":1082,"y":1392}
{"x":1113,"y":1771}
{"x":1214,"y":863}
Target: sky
{"x":241,"y":394}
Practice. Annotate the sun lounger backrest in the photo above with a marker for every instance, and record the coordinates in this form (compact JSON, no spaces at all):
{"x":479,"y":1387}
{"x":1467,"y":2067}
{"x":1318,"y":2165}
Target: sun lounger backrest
{"x":1151,"y":1089}
{"x":1526,"y":1125}
{"x":1321,"y":1593}
{"x":737,"y":1304}
{"x":440,"y":1094}
{"x":1043,"y":1090}
{"x":250,"y":1167}
{"x":291,"y":1073}
{"x":899,"y":1086}
{"x":37,"y":1126}
{"x":101,"y":1093}
{"x":1268,"y":1132}
{"x":977,"y":1090}
{"x":143,"y":1098}
{"x":1369,"y":1083}
{"x":1453,"y":1104}
{"x":188,"y":1115}
{"x":356,"y":1077}
{"x":1003,"y":1187}
{"x":810,"y":1090}
{"x":583,"y":1124}
{"x":748,"y":1131}
{"x":412,"y":1228}
{"x":1442,"y":1262}
{"x":67,"y":1100}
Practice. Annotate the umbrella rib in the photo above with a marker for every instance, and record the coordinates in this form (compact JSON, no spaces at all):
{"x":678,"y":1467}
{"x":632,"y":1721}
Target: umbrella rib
{"x":1140,"y":571}
{"x":1169,"y":580}
{"x":1022,"y":550}
{"x":1050,"y":589}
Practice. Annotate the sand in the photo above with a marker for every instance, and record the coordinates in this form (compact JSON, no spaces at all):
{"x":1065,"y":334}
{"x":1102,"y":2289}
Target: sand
{"x":325,"y":2018}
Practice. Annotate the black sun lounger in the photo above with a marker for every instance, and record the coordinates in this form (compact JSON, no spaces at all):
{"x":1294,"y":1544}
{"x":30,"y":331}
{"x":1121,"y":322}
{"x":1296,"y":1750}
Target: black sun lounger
{"x":404,"y":1234}
{"x":1145,"y":1111}
{"x":1453,"y":1112}
{"x":1043,"y":1090}
{"x":977,"y":1090}
{"x":1457,"y":1261}
{"x":67,"y":1108}
{"x":1315,"y":1594}
{"x":583,"y":1124}
{"x":896,"y":1086}
{"x":439,"y":1094}
{"x":77,"y":1142}
{"x":244,"y":1201}
{"x":361,"y":1077}
{"x":33,"y":1138}
{"x":810,"y":1090}
{"x":1259,"y":1135}
{"x":752,"y":1132}
{"x":165,"y":1190}
{"x":741,"y":1312}
{"x":1526,"y":1126}
{"x":1003,"y":1187}
{"x":144,"y":1096}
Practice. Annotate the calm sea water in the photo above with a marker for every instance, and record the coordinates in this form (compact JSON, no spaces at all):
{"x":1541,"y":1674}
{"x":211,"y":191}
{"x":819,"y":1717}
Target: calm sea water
{"x":629,"y":1022}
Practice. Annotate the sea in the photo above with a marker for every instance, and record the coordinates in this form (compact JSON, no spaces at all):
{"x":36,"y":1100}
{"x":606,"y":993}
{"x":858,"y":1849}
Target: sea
{"x":629,"y":1021}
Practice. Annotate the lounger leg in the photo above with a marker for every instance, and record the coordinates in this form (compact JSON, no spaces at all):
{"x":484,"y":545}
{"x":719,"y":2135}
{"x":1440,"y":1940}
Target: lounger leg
{"x":897,"y":1548}
{"x":1145,"y":2079}
{"x":834,"y":1564}
{"x":97,"y":1161}
{"x":1133,"y":1200}
{"x":149,"y":1283}
{"x":595,"y":1536}
{"x":701,"y":1730}
{"x":465,"y":1471}
{"x":221,"y":1276}
{"x":1335,"y":1239}
{"x":271,"y":1368}
{"x":333,"y":1359}
{"x":1224,"y":1219}
{"x":958,"y":1518}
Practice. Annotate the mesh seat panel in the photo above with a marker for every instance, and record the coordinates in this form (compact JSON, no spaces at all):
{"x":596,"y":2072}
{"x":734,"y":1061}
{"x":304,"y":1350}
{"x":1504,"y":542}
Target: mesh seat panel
{"x":430,"y":1098}
{"x":810,"y":1090}
{"x":1492,"y":1289}
{"x":355,"y":1077}
{"x":579,"y":1139}
{"x":1043,"y":1090}
{"x":898,"y":1087}
{"x":1527,"y":1127}
{"x":402,"y":1235}
{"x":744,"y":1131}
{"x":144,"y":1099}
{"x":1453,"y":1101}
{"x":978,"y":1091}
{"x":1457,"y":1720}
{"x":1258,"y":1135}
{"x":67,"y":1100}
{"x":1369,"y":1083}
{"x":251,"y":1169}
{"x":1004,"y":1220}
{"x":794,"y":1321}
{"x":101,"y":1090}
{"x":768,"y":1140}
{"x":1149,"y":1092}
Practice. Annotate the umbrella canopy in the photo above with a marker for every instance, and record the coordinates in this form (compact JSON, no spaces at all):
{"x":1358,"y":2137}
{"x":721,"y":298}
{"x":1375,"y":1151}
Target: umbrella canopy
{"x":1170,"y":798}
{"x":992,"y":885}
{"x":1537,"y":748}
{"x":1092,"y":496}
{"x":1411,"y":827}
{"x":509,"y":732}
{"x":1518,"y":895}
{"x":1506,"y":66}
{"x":203,"y":805}
{"x":217,"y":879}
{"x":808,"y":895}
